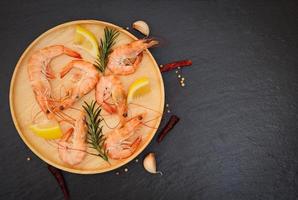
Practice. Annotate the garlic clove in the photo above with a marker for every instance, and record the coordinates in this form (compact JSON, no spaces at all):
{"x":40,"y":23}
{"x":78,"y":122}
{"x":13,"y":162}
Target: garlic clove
{"x":142,"y":27}
{"x":150,"y":163}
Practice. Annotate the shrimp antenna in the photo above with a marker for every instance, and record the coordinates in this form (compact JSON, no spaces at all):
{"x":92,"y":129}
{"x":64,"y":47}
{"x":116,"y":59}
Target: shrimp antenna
{"x":50,"y":142}
{"x":35,"y":116}
{"x":66,"y":115}
{"x":149,"y":126}
{"x":63,"y":118}
{"x":150,"y":120}
{"x":109,"y":125}
{"x":75,"y":108}
{"x":135,"y":104}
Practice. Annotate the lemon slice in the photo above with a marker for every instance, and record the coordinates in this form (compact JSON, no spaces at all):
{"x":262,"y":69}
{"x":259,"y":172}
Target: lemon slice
{"x":138,"y":88}
{"x":86,"y":40}
{"x":47,"y":130}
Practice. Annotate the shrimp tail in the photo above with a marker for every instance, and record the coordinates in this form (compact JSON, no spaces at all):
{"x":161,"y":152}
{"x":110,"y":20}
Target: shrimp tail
{"x":67,"y":134}
{"x":71,"y":53}
{"x":110,"y":109}
{"x":66,"y":69}
{"x":150,"y":42}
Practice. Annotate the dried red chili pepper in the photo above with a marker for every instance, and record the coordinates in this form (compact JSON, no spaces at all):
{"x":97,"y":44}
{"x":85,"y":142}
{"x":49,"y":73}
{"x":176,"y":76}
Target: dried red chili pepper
{"x":174,"y":65}
{"x":59,"y":177}
{"x":171,"y":123}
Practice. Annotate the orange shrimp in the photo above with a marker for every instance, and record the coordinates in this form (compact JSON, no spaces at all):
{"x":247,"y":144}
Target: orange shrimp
{"x":86,"y":80}
{"x":39,"y":72}
{"x":74,"y":153}
{"x":120,"y":143}
{"x":111,"y":95}
{"x":126,"y":58}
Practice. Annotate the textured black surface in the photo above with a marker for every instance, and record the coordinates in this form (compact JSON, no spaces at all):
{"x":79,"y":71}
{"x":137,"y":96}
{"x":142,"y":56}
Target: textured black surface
{"x":237,"y":138}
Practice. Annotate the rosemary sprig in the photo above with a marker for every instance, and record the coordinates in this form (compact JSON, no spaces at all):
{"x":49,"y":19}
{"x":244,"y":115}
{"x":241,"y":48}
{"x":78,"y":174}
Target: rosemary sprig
{"x":105,"y":48}
{"x":95,"y":137}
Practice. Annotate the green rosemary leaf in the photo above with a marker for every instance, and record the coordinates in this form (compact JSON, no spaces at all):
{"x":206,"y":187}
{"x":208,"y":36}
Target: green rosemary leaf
{"x":105,"y":48}
{"x":95,"y":137}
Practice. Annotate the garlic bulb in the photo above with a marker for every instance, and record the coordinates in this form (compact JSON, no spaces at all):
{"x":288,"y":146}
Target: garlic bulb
{"x":142,"y":27}
{"x":149,"y":164}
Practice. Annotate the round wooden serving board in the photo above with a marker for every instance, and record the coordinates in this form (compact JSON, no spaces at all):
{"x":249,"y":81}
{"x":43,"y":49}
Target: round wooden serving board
{"x":24,"y":106}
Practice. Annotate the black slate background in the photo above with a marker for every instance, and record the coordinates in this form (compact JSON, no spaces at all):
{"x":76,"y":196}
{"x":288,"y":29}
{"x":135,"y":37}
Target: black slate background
{"x":237,"y":138}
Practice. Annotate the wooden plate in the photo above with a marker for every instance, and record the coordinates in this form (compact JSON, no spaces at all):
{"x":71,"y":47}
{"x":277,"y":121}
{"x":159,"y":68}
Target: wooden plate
{"x":23,"y":104}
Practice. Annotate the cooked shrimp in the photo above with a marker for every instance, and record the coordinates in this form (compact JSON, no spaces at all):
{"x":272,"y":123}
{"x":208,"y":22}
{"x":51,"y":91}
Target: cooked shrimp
{"x":120,"y":143}
{"x":39,"y":72}
{"x":86,"y":79}
{"x":74,"y":152}
{"x":125,"y":59}
{"x":111,"y":95}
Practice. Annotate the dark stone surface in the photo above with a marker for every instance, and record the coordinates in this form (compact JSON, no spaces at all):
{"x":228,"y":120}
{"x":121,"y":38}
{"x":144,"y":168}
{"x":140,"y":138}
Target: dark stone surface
{"x":237,"y":138}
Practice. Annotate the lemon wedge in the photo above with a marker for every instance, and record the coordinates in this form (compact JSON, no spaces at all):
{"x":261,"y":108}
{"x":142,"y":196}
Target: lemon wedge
{"x":138,"y":88}
{"x":47,"y":129}
{"x":86,"y":40}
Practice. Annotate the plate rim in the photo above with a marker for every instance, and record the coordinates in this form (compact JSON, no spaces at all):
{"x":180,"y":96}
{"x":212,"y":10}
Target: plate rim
{"x":16,"y":124}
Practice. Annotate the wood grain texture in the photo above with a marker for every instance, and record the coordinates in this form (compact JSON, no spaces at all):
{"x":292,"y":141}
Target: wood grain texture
{"x":237,"y":137}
